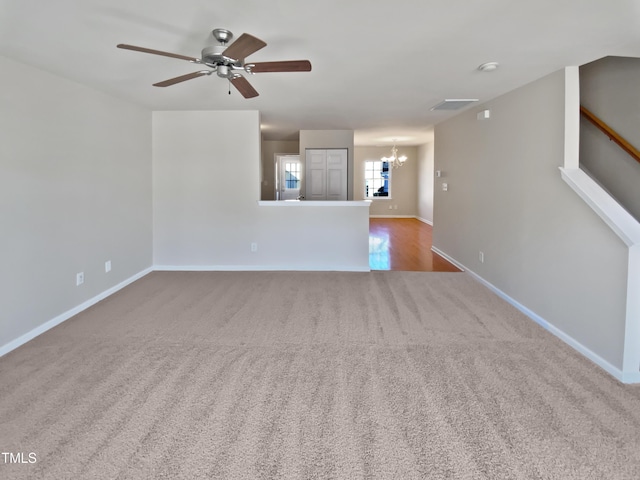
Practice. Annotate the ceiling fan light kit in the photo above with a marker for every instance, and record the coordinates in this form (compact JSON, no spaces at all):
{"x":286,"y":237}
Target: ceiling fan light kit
{"x":228,"y":61}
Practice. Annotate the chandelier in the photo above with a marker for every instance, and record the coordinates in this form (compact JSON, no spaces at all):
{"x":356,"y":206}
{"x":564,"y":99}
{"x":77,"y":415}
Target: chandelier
{"x":395,"y":160}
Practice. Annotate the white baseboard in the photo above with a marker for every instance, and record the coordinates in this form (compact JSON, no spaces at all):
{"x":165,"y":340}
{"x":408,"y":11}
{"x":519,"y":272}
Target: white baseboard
{"x":258,"y":268}
{"x":624,"y":377}
{"x":424,"y":220}
{"x":448,"y":258}
{"x":12,"y":345}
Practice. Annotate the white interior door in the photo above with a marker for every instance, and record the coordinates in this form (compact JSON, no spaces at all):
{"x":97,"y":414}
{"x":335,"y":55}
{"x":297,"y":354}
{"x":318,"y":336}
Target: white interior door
{"x":289,"y":177}
{"x":336,"y":174}
{"x":315,"y":176}
{"x":326,"y":174}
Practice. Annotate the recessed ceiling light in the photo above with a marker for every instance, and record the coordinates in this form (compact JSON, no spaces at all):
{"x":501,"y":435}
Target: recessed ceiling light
{"x":488,"y":67}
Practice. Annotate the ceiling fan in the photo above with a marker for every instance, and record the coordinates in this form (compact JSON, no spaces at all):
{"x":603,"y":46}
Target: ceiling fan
{"x":227,"y":61}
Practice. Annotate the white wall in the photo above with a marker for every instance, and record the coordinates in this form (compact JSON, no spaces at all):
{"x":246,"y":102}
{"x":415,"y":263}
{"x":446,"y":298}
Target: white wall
{"x":425,"y":182}
{"x":543,"y":246}
{"x":206,"y":212}
{"x":609,"y":89}
{"x":205,"y":186}
{"x":75,"y":191}
{"x":300,"y":236}
{"x":404,"y":182}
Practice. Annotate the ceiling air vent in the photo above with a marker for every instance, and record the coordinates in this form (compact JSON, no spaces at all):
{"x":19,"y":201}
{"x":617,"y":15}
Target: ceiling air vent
{"x":454,"y":103}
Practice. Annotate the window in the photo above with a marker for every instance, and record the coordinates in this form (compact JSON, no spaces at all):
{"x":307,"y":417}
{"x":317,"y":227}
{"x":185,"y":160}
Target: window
{"x":376,"y":179}
{"x":292,"y":175}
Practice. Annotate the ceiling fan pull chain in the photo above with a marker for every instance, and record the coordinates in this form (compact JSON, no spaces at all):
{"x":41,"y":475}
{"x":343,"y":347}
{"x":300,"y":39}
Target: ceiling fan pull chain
{"x":229,"y":84}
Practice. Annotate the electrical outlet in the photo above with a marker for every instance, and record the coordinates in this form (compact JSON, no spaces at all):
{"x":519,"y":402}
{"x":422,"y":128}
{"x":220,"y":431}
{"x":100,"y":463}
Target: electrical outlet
{"x":395,"y":207}
{"x":107,"y":266}
{"x":254,"y":247}
{"x":390,"y":207}
{"x":79,"y":279}
{"x":481,"y":257}
{"x":445,"y":187}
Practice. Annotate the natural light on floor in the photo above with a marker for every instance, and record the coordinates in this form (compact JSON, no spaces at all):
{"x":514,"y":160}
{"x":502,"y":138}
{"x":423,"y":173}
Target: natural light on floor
{"x":379,"y":251}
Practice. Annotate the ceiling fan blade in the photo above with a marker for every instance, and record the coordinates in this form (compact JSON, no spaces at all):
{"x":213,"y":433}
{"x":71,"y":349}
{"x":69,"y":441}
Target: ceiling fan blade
{"x":244,"y":46}
{"x":181,"y":78}
{"x":158,"y":52}
{"x":244,"y":87}
{"x":286,"y":66}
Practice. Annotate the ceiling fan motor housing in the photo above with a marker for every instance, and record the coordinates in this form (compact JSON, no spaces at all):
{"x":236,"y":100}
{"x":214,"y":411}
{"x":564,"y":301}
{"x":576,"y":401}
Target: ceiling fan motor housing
{"x":212,"y":56}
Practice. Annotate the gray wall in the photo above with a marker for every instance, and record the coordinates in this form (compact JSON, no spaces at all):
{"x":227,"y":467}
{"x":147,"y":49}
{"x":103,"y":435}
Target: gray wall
{"x":425,"y":182}
{"x":269,"y":149}
{"x":75,"y":191}
{"x":544,"y":247}
{"x":609,"y":89}
{"x":404,"y":182}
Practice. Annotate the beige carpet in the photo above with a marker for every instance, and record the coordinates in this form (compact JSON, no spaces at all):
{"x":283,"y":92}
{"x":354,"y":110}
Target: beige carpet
{"x":240,"y":375}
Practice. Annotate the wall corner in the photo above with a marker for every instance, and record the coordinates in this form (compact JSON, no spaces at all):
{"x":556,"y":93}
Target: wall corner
{"x":571,"y":117}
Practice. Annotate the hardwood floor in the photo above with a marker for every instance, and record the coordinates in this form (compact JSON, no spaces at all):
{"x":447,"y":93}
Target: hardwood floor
{"x":404,"y":244}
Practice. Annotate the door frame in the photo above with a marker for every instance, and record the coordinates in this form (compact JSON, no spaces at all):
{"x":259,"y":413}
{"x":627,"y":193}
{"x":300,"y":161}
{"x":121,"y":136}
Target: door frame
{"x":278,"y":158}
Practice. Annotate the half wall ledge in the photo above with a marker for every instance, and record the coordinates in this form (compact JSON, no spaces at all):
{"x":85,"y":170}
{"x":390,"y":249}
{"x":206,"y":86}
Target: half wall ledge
{"x":314,"y":203}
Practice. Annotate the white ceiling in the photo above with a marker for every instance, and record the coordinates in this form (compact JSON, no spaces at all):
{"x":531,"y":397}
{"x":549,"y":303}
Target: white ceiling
{"x":378,"y":67}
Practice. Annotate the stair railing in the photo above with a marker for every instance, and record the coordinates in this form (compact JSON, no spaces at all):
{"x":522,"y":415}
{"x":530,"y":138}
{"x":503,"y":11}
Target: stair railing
{"x":611,"y":133}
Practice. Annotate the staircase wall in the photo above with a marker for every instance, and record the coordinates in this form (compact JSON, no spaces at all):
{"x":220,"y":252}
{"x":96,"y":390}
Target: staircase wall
{"x":609,"y":89}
